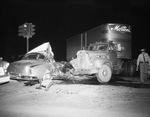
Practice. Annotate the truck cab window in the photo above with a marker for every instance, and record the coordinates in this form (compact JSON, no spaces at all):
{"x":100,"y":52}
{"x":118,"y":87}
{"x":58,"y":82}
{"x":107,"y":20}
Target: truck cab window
{"x":102,"y":47}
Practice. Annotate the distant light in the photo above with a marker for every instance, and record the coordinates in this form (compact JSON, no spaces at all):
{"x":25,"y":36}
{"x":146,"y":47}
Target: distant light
{"x":25,"y":25}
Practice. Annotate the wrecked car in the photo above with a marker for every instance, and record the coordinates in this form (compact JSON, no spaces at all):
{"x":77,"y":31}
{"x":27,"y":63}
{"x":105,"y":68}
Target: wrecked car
{"x":34,"y":64}
{"x":4,"y":77}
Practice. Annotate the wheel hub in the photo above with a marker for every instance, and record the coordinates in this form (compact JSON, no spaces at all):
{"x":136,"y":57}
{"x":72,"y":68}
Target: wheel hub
{"x":104,"y":72}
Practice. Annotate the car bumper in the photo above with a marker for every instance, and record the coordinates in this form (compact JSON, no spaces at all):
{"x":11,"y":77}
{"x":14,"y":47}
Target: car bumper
{"x":4,"y":79}
{"x":23,"y":78}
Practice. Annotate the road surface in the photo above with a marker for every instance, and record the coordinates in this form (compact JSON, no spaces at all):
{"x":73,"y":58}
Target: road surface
{"x":86,"y":98}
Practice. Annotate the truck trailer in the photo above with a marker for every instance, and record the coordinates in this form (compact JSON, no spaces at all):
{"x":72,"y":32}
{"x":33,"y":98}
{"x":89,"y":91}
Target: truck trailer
{"x":106,"y":32}
{"x":85,"y":51}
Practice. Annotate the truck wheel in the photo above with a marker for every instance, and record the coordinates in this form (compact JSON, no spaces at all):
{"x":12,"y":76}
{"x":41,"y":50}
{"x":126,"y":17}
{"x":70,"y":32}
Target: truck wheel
{"x":131,"y":69}
{"x":125,"y":73}
{"x":104,"y":74}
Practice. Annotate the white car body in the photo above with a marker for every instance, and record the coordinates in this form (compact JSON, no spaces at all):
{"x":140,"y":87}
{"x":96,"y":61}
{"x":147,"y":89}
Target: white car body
{"x":4,"y":78}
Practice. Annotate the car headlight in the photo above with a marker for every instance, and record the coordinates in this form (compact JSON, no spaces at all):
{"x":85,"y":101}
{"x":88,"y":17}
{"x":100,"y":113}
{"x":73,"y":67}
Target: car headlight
{"x":2,"y":72}
{"x":5,"y":67}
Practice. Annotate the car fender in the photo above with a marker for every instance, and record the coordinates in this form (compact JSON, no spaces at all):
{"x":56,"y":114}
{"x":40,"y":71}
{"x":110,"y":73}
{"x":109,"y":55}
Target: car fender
{"x":38,"y":70}
{"x":99,"y":62}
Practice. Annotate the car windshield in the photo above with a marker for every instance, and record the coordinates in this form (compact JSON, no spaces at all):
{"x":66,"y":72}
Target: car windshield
{"x":34,"y":56}
{"x":102,"y":47}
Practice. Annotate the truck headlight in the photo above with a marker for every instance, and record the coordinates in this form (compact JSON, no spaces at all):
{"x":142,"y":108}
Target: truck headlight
{"x":102,"y":56}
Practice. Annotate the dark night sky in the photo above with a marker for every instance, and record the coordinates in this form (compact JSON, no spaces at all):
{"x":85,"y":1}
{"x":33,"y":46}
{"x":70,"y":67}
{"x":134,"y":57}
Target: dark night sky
{"x":57,"y":20}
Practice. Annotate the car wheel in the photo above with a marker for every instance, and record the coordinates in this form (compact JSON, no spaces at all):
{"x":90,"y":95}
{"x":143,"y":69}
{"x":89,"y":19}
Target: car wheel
{"x":104,"y":74}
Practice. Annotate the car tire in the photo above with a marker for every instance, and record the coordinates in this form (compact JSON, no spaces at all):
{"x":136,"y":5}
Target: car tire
{"x":104,"y":74}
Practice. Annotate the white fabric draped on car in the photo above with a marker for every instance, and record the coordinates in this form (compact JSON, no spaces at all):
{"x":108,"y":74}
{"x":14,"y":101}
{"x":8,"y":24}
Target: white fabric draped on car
{"x":46,"y":48}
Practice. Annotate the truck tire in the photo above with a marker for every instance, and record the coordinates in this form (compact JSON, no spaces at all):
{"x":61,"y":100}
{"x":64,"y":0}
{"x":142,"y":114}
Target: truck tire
{"x":104,"y":74}
{"x":125,"y":66}
{"x":131,"y":69}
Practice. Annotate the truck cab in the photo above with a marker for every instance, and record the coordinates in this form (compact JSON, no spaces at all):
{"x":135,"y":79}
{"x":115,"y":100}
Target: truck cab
{"x":98,"y":59}
{"x":105,"y":47}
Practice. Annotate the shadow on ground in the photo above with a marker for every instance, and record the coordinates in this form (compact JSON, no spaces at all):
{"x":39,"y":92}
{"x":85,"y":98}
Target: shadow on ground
{"x":117,"y":81}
